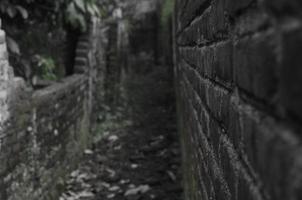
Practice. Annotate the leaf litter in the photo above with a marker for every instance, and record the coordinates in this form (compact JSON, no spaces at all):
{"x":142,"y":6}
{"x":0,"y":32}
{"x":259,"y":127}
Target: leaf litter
{"x":128,"y":165}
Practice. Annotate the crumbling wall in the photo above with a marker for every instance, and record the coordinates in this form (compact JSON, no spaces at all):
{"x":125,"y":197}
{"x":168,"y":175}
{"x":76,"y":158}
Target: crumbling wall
{"x":238,"y":66}
{"x":44,"y":132}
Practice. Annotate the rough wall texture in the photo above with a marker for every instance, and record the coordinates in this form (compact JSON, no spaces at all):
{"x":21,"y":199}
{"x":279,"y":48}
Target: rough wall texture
{"x":240,"y":98}
{"x":44,"y":132}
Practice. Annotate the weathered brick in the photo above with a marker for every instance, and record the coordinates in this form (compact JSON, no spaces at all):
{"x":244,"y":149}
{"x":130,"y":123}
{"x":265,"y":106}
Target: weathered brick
{"x":192,"y":9}
{"x":244,"y":190}
{"x":214,"y":62}
{"x":198,"y":32}
{"x":40,"y":129}
{"x":218,"y":102}
{"x":207,"y":27}
{"x":233,"y":125}
{"x":251,"y":21}
{"x":223,"y":61}
{"x":284,"y":7}
{"x":231,"y":175}
{"x":233,"y":6}
{"x":263,"y":141}
{"x":255,"y":65}
{"x":291,"y":73}
{"x":214,"y":132}
{"x":241,"y":65}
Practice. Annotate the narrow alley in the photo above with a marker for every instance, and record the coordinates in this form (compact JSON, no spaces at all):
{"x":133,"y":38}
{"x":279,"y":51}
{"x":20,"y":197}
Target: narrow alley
{"x":131,"y":164}
{"x":150,"y":100}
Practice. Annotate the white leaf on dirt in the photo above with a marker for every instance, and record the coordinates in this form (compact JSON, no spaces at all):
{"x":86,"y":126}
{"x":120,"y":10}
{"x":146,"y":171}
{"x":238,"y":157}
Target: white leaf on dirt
{"x":110,"y":196}
{"x":86,"y":185}
{"x":88,"y":152}
{"x":138,"y":190}
{"x":118,"y":147}
{"x":134,"y":166}
{"x":114,"y":188}
{"x":106,"y":185}
{"x":64,"y":196}
{"x":106,"y":133}
{"x":71,"y":195}
{"x":75,"y":173}
{"x":83,"y":176}
{"x":113,"y":138}
{"x":124,"y":181}
{"x":144,"y":188}
{"x":111,"y":172}
{"x":171,"y":175}
{"x":86,"y":194}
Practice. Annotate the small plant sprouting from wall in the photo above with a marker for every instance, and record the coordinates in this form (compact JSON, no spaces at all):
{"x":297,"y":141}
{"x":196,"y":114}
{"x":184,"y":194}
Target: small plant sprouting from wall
{"x":167,"y":11}
{"x":46,"y":68}
{"x":48,"y":23}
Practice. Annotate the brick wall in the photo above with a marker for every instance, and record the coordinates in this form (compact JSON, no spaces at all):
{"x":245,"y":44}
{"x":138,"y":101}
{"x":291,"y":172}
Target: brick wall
{"x":44,"y":132}
{"x":238,"y":68}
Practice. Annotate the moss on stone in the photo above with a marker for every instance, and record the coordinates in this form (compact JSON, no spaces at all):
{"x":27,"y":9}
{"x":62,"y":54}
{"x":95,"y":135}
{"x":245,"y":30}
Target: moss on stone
{"x":167,"y":11}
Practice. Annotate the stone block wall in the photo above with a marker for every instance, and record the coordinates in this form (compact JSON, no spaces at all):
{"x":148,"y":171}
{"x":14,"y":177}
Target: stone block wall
{"x":239,"y":82}
{"x":44,"y":132}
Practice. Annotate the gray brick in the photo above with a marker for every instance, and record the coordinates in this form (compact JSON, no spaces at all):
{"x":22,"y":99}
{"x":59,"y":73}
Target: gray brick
{"x":291,"y":73}
{"x":255,"y":65}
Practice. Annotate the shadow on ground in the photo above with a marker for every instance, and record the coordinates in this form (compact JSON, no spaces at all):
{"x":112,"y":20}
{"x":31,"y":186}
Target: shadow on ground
{"x":128,"y":164}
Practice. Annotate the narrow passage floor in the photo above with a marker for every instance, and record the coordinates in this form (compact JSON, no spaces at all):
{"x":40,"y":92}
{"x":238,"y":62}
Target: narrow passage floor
{"x":129,"y":164}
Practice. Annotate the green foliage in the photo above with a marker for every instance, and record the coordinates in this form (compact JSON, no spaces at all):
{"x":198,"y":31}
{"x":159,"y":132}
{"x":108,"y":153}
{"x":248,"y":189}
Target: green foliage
{"x":32,"y":25}
{"x":73,"y":12}
{"x":167,"y":11}
{"x":13,"y":9}
{"x":78,"y":10}
{"x":46,"y":68}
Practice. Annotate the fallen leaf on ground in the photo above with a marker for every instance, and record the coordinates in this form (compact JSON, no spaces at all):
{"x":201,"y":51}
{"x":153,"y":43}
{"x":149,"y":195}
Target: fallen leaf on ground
{"x":138,"y":190}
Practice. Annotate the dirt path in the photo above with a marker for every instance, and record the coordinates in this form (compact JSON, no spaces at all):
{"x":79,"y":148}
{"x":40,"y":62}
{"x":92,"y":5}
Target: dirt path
{"x":128,"y":164}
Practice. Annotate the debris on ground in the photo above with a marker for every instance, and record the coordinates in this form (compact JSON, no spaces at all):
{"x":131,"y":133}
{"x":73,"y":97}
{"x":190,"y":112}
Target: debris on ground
{"x":128,"y":165}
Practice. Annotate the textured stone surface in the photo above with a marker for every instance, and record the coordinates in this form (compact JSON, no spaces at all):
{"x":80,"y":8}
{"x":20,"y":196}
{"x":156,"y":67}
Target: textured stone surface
{"x":238,"y":76}
{"x":44,"y":132}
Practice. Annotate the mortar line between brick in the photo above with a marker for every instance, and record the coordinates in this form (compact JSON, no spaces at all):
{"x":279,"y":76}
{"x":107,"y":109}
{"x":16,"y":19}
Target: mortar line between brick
{"x":205,"y":107}
{"x":261,"y":30}
{"x":256,"y":102}
{"x":239,"y":165}
{"x":204,"y":44}
{"x":218,"y":171}
{"x":198,"y":15}
{"x":217,"y":82}
{"x":253,"y":174}
{"x":248,"y":177}
{"x":243,"y":101}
